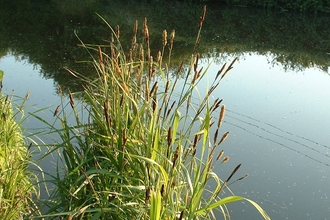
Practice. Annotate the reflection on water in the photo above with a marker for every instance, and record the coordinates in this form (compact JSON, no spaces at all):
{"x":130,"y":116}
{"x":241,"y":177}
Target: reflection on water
{"x":277,"y":95}
{"x":278,"y":123}
{"x":43,"y":33}
{"x":279,"y":136}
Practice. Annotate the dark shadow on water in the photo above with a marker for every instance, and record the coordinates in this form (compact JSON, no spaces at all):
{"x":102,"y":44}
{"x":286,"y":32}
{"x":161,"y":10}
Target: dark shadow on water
{"x":44,"y":33}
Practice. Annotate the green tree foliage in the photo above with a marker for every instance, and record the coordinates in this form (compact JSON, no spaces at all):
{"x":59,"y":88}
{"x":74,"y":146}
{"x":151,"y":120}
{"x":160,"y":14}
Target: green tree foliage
{"x":282,"y":5}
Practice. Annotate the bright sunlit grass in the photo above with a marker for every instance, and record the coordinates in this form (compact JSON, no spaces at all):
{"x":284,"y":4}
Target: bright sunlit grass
{"x":16,"y":183}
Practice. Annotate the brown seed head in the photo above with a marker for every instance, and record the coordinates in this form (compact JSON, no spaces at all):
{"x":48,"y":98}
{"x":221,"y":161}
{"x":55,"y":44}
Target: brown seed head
{"x":146,"y":30}
{"x":164,"y":38}
{"x":229,"y":68}
{"x":169,"y":111}
{"x":225,"y":159}
{"x":169,"y":136}
{"x":141,"y":53}
{"x":154,"y":102}
{"x":27,"y":95}
{"x":175,"y":157}
{"x":147,"y":195}
{"x":222,"y":115}
{"x":150,"y":66}
{"x":220,"y":154}
{"x":224,"y":137}
{"x":172,"y":39}
{"x":135,"y":29}
{"x":215,"y":136}
{"x":162,"y":190}
{"x":154,"y":88}
{"x":56,"y":110}
{"x":71,"y":100}
{"x":59,"y":89}
{"x":124,"y":137}
{"x":180,"y":68}
{"x":121,"y":101}
{"x":117,"y":31}
{"x":243,"y":177}
{"x":181,"y":215}
{"x":201,"y":19}
{"x":159,"y":57}
{"x":118,"y":70}
{"x":196,"y":139}
{"x":125,"y":87}
{"x":220,"y":71}
{"x":233,"y":172}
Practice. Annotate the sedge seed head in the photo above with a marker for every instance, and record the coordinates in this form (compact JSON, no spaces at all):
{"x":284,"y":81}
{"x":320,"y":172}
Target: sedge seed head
{"x":225,"y":159}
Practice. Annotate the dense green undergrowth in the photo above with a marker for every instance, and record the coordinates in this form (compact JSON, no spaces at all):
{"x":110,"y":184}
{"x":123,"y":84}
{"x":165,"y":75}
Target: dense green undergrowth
{"x":17,"y":184}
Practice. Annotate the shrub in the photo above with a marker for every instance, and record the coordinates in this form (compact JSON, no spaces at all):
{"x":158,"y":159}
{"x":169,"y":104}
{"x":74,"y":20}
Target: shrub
{"x":144,"y":151}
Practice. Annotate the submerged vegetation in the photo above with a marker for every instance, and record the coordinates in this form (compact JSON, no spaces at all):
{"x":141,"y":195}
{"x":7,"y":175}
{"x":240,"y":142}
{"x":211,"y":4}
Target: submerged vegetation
{"x":138,"y":147}
{"x":17,"y":184}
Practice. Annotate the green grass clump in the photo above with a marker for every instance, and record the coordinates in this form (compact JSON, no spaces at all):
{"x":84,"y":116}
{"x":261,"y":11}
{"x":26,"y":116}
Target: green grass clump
{"x":16,"y":182}
{"x":139,"y":148}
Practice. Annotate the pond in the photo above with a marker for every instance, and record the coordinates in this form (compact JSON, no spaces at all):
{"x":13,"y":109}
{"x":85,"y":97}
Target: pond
{"x":277,"y":94}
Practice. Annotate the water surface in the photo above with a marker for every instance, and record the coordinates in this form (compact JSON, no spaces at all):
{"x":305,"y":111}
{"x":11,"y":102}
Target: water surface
{"x":277,"y":95}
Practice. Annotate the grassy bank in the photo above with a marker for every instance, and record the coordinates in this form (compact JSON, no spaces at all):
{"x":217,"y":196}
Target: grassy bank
{"x":16,"y":183}
{"x":138,"y":148}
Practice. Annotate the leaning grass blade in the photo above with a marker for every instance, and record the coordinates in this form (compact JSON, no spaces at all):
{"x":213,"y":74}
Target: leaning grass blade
{"x":156,"y":204}
{"x":231,"y":199}
{"x":162,"y":170}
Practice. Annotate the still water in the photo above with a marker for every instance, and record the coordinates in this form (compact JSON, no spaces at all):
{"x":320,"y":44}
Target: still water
{"x":277,"y":95}
{"x":279,"y":123}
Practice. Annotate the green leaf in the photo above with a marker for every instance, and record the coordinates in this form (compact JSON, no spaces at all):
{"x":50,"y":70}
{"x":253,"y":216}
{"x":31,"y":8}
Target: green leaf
{"x":1,"y":75}
{"x":231,"y":199}
{"x":156,"y":205}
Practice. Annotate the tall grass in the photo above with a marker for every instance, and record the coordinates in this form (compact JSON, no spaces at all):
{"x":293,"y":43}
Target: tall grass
{"x":16,"y":182}
{"x":139,"y":148}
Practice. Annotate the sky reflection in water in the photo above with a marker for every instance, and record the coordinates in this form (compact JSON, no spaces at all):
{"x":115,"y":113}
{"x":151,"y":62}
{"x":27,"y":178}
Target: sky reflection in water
{"x":279,"y":130}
